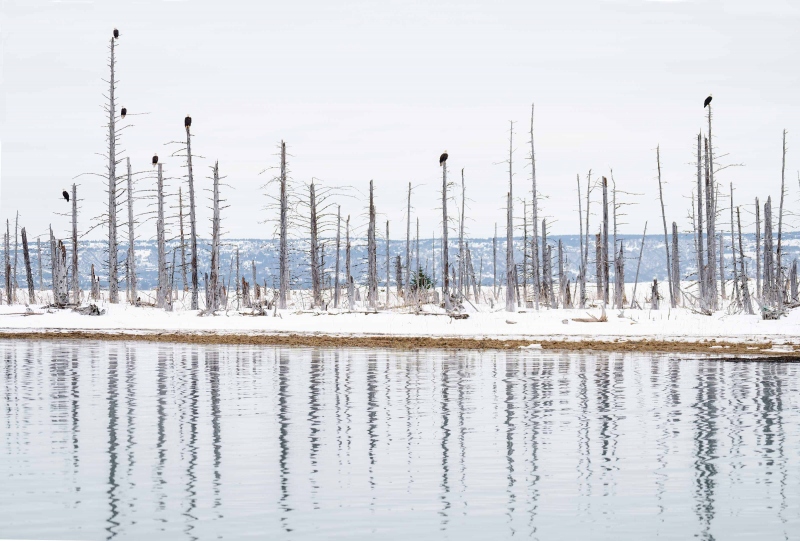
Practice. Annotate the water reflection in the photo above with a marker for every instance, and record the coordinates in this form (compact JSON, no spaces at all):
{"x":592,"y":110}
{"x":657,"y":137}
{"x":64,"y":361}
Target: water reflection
{"x":136,"y":441}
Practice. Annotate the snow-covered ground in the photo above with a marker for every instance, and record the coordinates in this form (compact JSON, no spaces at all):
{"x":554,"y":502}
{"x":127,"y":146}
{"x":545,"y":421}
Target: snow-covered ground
{"x":552,"y":325}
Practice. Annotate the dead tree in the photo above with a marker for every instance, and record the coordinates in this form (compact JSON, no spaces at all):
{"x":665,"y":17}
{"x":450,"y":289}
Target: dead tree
{"x":664,"y":218}
{"x":461,"y":260}
{"x":736,"y":295}
{"x":39,"y":256}
{"x":338,"y":256}
{"x":547,"y":271}
{"x":28,"y":272}
{"x":758,"y":250}
{"x":748,"y":306}
{"x":562,"y":281}
{"x":95,"y":288}
{"x":16,"y":251}
{"x":7,"y":267}
{"x":722,"y":269}
{"x":398,"y":275}
{"x":654,"y":297}
{"x":676,"y":267}
{"x":445,"y":247}
{"x":793,"y":281}
{"x":183,"y":241}
{"x":779,"y":280}
{"x":494,"y":261}
{"x":408,"y":246}
{"x":638,"y":266}
{"x":388,"y":266}
{"x":701,"y":270}
{"x":349,"y":276}
{"x":535,"y":222}
{"x":524,"y":251}
{"x":711,"y":227}
{"x":372,"y":255}
{"x":605,"y":242}
{"x":283,"y":257}
{"x":214,"y":299}
{"x":131,"y":278}
{"x":76,"y":289}
{"x":510,"y":300}
{"x":598,"y":264}
{"x":195,"y":303}
{"x":161,"y":289}
{"x":619,"y":276}
{"x":316,"y":281}
{"x":582,"y":269}
{"x":59,"y":270}
{"x":768,"y":292}
{"x":113,"y":282}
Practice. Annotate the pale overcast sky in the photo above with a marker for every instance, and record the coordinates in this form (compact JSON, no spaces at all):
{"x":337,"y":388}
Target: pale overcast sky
{"x":377,"y":90}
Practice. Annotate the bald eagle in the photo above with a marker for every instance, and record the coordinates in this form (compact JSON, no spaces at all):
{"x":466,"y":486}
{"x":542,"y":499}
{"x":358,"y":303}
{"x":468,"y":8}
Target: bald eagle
{"x":116,"y":33}
{"x":123,"y":112}
{"x":708,"y":100}
{"x":65,"y":195}
{"x":155,"y":160}
{"x":187,"y":122}
{"x":442,"y":158}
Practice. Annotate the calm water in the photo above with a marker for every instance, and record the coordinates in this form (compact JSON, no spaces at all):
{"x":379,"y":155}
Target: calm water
{"x":153,"y":441}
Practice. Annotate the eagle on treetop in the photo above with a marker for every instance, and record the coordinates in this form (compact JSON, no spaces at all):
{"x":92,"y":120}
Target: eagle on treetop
{"x":442,"y":158}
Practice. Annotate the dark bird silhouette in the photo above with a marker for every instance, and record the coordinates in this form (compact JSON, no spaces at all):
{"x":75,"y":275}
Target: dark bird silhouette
{"x":155,"y":160}
{"x":708,"y":100}
{"x":442,"y":158}
{"x":65,"y":194}
{"x":123,"y":112}
{"x":116,"y":33}
{"x":187,"y":122}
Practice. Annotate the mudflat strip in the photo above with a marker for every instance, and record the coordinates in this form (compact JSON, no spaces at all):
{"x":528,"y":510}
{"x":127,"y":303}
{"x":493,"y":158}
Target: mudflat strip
{"x":755,"y":349}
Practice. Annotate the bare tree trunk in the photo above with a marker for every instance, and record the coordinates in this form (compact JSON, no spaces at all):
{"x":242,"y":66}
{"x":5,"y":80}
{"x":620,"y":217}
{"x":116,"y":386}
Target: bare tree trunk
{"x":758,"y":251}
{"x":582,"y":269}
{"x":638,"y":266}
{"x":605,"y":242}
{"x":617,"y":284}
{"x":769,"y":255}
{"x":372,"y":255}
{"x":192,"y":224}
{"x":619,"y":276}
{"x":676,"y":266}
{"x":95,"y":289}
{"x":416,"y":259}
{"x":701,"y":270}
{"x":666,"y":240}
{"x":654,"y":295}
{"x":598,"y":264}
{"x":213,"y":286}
{"x":398,"y":275}
{"x":338,"y":256}
{"x":76,"y":288}
{"x":316,"y":282}
{"x":183,"y":242}
{"x":388,"y":265}
{"x":445,"y":243}
{"x":283,"y":262}
{"x":722,"y":269}
{"x":525,"y":252}
{"x":561,"y":279}
{"x":537,"y":285}
{"x":471,"y":271}
{"x":238,"y":280}
{"x":113,"y":282}
{"x":461,"y":260}
{"x":255,"y":284}
{"x":711,"y":238}
{"x":7,"y":266}
{"x":510,"y":300}
{"x":736,"y":295}
{"x":586,"y":231}
{"x":28,"y":273}
{"x":793,"y":281}
{"x":163,"y":286}
{"x":349,"y":276}
{"x":39,"y":254}
{"x":61,"y":274}
{"x":131,"y":278}
{"x":779,"y":280}
{"x":748,"y":306}
{"x":494,"y":264}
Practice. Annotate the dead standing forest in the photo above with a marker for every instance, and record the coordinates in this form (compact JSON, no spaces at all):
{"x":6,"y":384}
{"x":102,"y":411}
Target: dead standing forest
{"x":533,"y":274}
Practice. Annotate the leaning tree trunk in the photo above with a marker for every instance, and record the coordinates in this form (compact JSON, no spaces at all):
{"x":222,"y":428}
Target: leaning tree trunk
{"x":638,"y":266}
{"x":28,"y":273}
{"x":666,"y":240}
{"x":161,"y":289}
{"x":192,"y":223}
{"x":76,"y":288}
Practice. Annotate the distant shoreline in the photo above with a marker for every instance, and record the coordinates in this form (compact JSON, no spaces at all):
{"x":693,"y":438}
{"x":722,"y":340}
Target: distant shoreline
{"x":757,"y":350}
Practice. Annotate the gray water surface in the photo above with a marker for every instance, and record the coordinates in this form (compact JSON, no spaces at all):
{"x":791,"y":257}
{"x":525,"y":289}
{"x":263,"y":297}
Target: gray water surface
{"x":160,"y":441}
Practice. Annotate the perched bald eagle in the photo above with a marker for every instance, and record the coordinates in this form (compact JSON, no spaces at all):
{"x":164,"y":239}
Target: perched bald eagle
{"x":155,"y":160}
{"x":187,"y":122}
{"x":123,"y":112}
{"x":65,"y":194}
{"x":442,"y":158}
{"x":116,"y":33}
{"x":708,"y":100}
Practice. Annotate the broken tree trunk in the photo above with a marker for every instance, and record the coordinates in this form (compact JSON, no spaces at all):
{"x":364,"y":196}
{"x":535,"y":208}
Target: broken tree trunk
{"x":638,"y":266}
{"x":748,"y":306}
{"x":162,"y":285}
{"x":407,"y":294}
{"x":28,"y":273}
{"x":666,"y":240}
{"x":711,"y":239}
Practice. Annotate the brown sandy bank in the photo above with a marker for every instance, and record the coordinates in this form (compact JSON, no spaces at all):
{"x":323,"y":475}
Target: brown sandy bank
{"x":762,"y":350}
